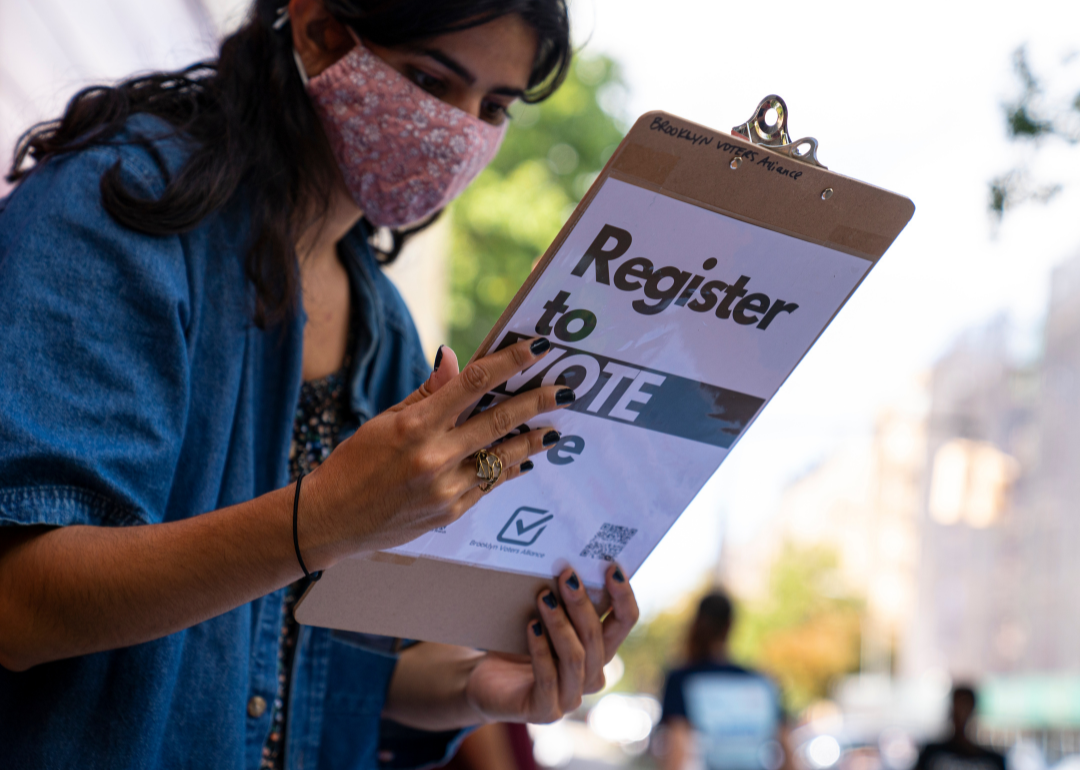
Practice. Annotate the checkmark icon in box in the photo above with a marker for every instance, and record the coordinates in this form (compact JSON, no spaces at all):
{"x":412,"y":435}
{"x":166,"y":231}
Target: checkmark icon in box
{"x":525,"y":526}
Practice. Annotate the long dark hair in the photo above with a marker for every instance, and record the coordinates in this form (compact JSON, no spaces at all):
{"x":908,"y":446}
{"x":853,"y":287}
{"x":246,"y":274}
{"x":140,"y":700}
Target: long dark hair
{"x":711,"y":625}
{"x":253,"y":127}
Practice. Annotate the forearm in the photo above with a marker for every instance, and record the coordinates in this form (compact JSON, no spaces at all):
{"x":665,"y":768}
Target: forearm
{"x":428,"y":689}
{"x":677,"y":745}
{"x":784,"y":736}
{"x":80,"y":589}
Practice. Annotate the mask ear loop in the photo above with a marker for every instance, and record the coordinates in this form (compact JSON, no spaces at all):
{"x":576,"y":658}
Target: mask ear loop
{"x":300,"y":67}
{"x":280,"y":24}
{"x":282,"y":20}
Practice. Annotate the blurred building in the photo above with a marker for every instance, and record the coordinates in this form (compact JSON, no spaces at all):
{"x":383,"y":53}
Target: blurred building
{"x":1052,"y":592}
{"x":998,"y":581}
{"x":862,"y":502}
{"x":958,"y":522}
{"x":980,"y":440}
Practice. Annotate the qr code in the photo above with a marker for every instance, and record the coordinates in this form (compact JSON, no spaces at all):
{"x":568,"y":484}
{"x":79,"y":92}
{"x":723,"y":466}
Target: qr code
{"x":608,"y":542}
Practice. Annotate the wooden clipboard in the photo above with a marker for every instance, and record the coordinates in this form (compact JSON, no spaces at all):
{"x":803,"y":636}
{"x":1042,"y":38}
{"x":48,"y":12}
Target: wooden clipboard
{"x":756,"y":175}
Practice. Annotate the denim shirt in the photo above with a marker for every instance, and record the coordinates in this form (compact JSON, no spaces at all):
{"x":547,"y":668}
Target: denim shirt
{"x":135,"y":389}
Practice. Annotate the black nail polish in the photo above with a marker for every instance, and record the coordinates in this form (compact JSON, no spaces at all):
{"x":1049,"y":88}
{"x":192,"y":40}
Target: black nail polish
{"x":550,"y":600}
{"x":537,"y":629}
{"x":551,"y":438}
{"x":438,"y":358}
{"x":527,"y":466}
{"x":565,"y":396}
{"x":539,"y":345}
{"x":618,"y":575}
{"x":572,"y":581}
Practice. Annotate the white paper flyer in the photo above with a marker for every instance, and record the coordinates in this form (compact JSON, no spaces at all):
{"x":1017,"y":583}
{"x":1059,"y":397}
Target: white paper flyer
{"x":675,"y":325}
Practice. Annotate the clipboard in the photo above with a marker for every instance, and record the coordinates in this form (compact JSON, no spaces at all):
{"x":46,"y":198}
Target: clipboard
{"x":751,"y":207}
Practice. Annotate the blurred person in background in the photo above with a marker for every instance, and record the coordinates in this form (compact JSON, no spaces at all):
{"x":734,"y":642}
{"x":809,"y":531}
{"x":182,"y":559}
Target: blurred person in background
{"x":959,"y":751}
{"x":194,"y":323}
{"x":717,"y":714}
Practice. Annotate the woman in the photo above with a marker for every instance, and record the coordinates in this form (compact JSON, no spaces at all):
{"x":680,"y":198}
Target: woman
{"x":193,"y":319}
{"x":726,"y":716}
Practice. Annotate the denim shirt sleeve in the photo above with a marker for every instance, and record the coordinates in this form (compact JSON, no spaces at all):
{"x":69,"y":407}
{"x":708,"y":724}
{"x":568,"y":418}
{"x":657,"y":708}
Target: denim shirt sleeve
{"x":94,"y":385}
{"x":389,"y":360}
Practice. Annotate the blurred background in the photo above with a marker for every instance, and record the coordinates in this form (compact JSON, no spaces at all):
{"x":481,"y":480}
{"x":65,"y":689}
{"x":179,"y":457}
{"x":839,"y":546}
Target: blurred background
{"x":906,"y":513}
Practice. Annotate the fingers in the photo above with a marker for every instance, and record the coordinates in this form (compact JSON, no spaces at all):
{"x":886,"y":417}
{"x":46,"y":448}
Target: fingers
{"x":473,"y":494}
{"x":545,"y":695}
{"x":515,"y":451}
{"x":445,"y":370}
{"x":587,"y":624}
{"x":570,"y":661}
{"x":624,"y":611}
{"x":481,"y":376}
{"x":514,"y":454}
{"x":496,"y":422}
{"x":568,"y":651}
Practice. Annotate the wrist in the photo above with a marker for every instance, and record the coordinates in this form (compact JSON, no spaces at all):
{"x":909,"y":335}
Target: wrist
{"x":320,"y":544}
{"x":472,"y":708}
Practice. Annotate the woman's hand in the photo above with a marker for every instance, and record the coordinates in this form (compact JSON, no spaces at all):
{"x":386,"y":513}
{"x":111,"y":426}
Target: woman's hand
{"x":440,"y":687}
{"x":568,"y":649}
{"x":412,"y":468}
{"x":80,"y":589}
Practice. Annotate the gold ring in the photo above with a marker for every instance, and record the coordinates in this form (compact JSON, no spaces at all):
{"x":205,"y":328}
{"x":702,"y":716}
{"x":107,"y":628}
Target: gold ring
{"x":489,"y":468}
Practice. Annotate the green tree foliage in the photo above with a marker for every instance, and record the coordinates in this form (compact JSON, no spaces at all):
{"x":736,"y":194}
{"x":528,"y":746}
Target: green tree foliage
{"x":1031,"y":118}
{"x":657,"y":645}
{"x":805,"y":632}
{"x":512,"y":212}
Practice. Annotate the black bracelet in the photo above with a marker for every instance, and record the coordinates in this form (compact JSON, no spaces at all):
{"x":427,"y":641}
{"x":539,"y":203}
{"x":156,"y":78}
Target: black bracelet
{"x":313,"y":576}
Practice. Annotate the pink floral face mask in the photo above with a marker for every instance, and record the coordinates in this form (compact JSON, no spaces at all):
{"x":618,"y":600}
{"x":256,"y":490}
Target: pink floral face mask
{"x":404,"y":153}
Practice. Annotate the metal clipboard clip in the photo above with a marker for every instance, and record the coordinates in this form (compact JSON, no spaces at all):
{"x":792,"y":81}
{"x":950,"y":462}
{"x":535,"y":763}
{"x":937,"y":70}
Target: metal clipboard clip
{"x":774,"y":135}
